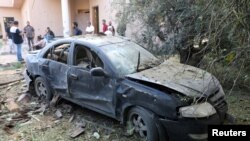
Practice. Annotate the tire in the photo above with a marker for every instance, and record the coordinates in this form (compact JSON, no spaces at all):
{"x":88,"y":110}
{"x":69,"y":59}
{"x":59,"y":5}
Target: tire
{"x":143,"y":123}
{"x":42,"y":89}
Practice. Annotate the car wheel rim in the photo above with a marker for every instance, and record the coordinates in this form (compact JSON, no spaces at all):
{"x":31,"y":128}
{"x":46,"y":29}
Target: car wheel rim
{"x":42,"y":91}
{"x":139,"y":125}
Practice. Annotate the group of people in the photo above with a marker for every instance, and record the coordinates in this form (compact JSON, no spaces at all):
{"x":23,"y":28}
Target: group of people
{"x":16,"y":37}
{"x":108,"y":30}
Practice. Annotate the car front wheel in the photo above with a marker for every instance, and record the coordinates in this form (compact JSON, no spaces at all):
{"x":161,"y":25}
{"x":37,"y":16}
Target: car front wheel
{"x":143,"y":123}
{"x":42,"y":89}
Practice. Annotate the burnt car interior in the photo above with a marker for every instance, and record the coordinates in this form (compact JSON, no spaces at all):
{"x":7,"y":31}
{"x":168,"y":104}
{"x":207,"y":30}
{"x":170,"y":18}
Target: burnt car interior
{"x":86,"y":58}
{"x":59,"y":53}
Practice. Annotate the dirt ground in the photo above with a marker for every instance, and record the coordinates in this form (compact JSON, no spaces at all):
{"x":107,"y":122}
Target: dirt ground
{"x":35,"y":121}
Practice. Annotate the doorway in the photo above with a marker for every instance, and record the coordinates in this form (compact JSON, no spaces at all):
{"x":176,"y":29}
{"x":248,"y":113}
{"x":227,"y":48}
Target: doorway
{"x":7,"y":20}
{"x":82,"y":18}
{"x":96,"y":19}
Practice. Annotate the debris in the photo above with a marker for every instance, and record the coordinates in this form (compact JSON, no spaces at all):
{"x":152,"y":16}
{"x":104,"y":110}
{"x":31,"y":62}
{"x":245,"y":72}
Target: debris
{"x":58,"y":114}
{"x":12,"y":106}
{"x":41,"y":110}
{"x":67,"y":108}
{"x":56,"y":121}
{"x":55,"y":100}
{"x":7,"y":128}
{"x":25,"y":98}
{"x":96,"y":135}
{"x":71,"y":118}
{"x":11,"y":83}
{"x":81,"y":124}
{"x":18,"y":70}
{"x":35,"y":117}
{"x":76,"y":132}
{"x":25,"y":123}
{"x":8,"y":88}
{"x":101,"y":126}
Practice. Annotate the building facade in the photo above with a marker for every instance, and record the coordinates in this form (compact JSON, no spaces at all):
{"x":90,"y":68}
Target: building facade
{"x":56,"y":14}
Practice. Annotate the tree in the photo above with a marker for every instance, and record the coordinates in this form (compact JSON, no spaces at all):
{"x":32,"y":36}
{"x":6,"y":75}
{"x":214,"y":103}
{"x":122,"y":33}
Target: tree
{"x":195,"y":29}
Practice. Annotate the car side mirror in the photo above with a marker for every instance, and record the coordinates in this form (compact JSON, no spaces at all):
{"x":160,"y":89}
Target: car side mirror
{"x":99,"y":72}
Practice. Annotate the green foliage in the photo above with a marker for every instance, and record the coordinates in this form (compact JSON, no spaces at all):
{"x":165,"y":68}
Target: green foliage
{"x":215,"y":29}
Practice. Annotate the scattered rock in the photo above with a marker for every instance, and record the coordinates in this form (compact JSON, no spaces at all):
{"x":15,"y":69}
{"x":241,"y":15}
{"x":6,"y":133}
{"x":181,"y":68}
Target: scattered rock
{"x":76,"y":132}
{"x":96,"y":135}
{"x":58,"y":114}
{"x":24,"y":98}
{"x":12,"y":106}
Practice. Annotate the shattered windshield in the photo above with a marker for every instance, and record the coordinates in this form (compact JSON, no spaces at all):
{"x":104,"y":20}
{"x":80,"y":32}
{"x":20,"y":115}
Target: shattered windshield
{"x":124,"y":57}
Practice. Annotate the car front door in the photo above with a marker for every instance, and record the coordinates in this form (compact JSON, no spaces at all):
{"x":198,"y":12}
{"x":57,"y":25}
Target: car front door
{"x":96,"y":93}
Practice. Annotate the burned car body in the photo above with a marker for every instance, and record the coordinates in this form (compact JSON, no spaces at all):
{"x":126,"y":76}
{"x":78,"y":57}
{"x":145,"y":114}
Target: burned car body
{"x":120,"y":79}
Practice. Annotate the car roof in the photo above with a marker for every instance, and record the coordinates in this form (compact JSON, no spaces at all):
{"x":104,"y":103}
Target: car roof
{"x":100,"y":40}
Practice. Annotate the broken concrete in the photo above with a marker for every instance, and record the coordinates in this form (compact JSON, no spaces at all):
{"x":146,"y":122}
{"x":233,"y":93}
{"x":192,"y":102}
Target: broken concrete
{"x":76,"y":132}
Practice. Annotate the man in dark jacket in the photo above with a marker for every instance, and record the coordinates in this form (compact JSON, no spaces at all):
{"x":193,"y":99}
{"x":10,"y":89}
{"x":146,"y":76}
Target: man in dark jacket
{"x":76,"y":30}
{"x":17,"y":39}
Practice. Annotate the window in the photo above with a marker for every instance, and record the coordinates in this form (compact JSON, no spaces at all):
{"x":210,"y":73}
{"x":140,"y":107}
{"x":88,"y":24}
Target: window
{"x":59,"y":53}
{"x":86,"y":58}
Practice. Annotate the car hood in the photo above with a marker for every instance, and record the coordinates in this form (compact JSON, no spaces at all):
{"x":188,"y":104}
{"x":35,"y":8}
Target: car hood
{"x":182,"y":78}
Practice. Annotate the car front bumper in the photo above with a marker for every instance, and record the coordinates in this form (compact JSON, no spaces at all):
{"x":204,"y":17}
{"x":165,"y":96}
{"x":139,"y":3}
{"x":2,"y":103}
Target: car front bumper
{"x":188,"y":129}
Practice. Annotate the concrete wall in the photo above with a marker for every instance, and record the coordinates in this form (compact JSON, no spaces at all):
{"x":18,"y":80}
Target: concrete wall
{"x":43,"y":14}
{"x":48,"y":13}
{"x":6,"y":3}
{"x":9,"y":12}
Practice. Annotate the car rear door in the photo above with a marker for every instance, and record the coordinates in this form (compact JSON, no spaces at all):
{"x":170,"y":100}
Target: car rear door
{"x":54,"y":66}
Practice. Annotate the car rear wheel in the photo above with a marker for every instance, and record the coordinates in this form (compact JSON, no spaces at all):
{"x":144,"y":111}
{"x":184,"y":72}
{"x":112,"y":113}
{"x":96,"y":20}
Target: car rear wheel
{"x":42,"y":89}
{"x":143,"y":123}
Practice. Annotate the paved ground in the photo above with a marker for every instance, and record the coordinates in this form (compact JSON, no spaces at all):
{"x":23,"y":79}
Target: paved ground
{"x":6,"y":57}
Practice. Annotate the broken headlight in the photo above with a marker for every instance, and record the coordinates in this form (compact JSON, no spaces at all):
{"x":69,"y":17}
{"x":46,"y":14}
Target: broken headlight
{"x":197,"y":111}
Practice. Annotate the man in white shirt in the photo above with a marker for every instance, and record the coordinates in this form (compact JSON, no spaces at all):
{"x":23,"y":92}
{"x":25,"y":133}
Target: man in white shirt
{"x":90,"y":28}
{"x":109,"y":31}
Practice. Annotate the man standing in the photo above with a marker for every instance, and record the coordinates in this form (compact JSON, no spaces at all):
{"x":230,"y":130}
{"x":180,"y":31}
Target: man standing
{"x":9,"y":37}
{"x":104,"y":26}
{"x":90,"y":28}
{"x":30,"y":33}
{"x":17,"y":39}
{"x":76,"y":30}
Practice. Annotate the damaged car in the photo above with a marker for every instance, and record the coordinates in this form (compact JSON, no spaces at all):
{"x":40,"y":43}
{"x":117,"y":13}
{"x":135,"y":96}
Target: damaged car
{"x":120,"y":79}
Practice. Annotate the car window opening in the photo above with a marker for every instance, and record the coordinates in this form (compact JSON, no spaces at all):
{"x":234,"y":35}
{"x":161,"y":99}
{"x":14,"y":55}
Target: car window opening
{"x":59,"y":53}
{"x":86,"y":58}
